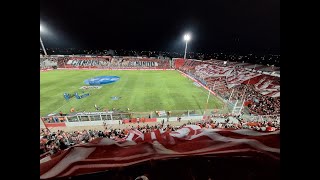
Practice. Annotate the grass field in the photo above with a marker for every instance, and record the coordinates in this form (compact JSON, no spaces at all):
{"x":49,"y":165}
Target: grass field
{"x":141,"y":91}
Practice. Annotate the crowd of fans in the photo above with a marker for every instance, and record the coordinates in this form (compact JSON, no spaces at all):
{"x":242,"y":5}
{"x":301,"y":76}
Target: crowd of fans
{"x":234,"y":86}
{"x":249,"y":58}
{"x":52,"y":142}
{"x":260,"y":104}
{"x":108,"y":62}
{"x":256,"y":102}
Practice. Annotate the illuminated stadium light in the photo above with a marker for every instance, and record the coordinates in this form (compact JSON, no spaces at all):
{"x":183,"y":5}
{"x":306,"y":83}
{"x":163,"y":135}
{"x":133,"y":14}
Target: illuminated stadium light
{"x":187,"y":38}
{"x":43,"y":48}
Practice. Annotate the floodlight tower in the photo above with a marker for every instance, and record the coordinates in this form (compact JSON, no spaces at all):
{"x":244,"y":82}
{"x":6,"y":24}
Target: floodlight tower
{"x":187,"y":38}
{"x":43,"y":48}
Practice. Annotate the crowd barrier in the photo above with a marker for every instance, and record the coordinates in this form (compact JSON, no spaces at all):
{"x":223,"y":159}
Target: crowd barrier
{"x":141,"y":120}
{"x":50,"y":125}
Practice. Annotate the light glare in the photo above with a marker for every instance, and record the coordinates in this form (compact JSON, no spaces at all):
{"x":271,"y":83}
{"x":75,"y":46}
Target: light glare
{"x":187,"y":37}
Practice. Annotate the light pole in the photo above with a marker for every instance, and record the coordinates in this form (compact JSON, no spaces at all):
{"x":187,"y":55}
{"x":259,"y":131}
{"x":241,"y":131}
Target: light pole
{"x":44,"y":49}
{"x":187,"y":38}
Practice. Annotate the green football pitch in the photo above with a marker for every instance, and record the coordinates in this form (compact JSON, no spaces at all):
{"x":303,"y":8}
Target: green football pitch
{"x":140,"y":91}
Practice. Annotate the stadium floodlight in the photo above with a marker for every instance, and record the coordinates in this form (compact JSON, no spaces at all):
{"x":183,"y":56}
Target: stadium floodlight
{"x":43,"y":48}
{"x":187,"y":38}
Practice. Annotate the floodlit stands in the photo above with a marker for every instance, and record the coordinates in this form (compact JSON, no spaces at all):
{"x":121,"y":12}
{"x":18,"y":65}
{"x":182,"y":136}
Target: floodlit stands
{"x":231,"y":80}
{"x":111,"y":62}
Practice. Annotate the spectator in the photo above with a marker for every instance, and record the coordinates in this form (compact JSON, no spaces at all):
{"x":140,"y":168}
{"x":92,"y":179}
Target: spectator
{"x":52,"y":142}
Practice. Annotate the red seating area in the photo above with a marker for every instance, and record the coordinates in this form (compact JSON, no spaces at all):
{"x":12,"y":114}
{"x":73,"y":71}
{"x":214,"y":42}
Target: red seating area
{"x":178,"y":63}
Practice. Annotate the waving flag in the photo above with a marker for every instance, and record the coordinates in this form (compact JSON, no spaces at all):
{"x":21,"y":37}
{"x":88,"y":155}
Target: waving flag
{"x":104,"y":154}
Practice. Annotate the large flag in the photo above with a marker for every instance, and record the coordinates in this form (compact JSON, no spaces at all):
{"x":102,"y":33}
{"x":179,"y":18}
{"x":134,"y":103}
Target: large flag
{"x":104,"y":154}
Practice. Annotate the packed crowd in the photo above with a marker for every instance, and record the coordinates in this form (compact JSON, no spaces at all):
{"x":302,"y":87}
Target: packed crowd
{"x":262,"y":104}
{"x":52,"y":142}
{"x":250,"y":58}
{"x":256,"y":102}
{"x":106,"y":62}
{"x":261,"y":96}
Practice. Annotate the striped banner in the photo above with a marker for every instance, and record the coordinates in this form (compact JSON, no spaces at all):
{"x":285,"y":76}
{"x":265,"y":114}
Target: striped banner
{"x":104,"y":154}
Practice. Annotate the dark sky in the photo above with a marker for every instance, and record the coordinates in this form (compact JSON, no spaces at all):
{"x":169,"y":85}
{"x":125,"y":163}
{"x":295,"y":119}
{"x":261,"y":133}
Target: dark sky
{"x":215,"y":25}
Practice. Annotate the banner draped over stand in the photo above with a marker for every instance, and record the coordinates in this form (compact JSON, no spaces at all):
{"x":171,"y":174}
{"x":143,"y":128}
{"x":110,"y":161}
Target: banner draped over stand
{"x":104,"y":154}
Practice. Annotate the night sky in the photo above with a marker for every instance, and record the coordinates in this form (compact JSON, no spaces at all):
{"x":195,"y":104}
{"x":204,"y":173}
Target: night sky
{"x":233,"y":26}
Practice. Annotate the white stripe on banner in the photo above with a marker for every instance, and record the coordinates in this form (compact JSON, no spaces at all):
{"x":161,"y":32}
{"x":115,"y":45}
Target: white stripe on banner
{"x":153,"y":136}
{"x":130,"y":136}
{"x":252,"y":142}
{"x":76,"y":154}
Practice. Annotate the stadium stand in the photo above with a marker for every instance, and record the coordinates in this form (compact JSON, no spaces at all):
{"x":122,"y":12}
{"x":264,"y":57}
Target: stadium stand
{"x":56,"y":147}
{"x":111,"y":62}
{"x":134,"y":148}
{"x":51,"y":141}
{"x":262,"y":91}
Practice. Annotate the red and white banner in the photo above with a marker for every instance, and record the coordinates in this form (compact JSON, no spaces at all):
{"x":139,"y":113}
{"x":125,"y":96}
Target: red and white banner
{"x":104,"y":154}
{"x":119,"y":69}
